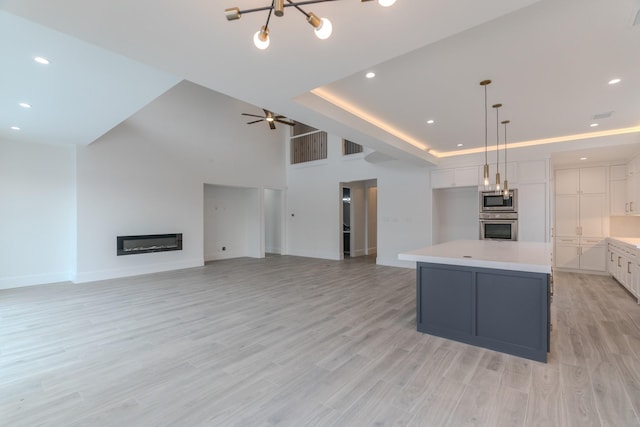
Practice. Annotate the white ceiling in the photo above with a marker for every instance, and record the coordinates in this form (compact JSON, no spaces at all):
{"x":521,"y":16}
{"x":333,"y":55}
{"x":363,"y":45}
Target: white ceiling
{"x":549,"y":60}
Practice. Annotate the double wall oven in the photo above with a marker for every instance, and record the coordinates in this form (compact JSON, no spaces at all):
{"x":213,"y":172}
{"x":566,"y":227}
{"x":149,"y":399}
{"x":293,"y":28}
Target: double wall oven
{"x":499,"y":216}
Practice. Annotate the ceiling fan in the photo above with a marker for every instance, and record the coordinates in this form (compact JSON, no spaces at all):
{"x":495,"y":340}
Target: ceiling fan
{"x":270,"y":118}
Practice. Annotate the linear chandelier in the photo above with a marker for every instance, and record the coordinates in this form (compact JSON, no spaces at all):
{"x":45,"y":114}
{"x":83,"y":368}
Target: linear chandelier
{"x":322,"y":26}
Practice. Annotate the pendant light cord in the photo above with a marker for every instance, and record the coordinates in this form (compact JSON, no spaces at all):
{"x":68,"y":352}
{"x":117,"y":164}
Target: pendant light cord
{"x":505,"y":151}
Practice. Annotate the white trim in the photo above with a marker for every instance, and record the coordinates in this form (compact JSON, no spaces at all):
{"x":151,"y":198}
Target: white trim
{"x":33,"y":280}
{"x":115,"y":273}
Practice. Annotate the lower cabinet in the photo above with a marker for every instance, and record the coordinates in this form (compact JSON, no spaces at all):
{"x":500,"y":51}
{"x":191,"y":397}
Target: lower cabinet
{"x":622,"y":261}
{"x":581,"y":254}
{"x":502,"y":310}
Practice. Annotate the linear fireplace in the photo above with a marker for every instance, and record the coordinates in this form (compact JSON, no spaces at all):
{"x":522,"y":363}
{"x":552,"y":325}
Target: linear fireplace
{"x":130,"y":245}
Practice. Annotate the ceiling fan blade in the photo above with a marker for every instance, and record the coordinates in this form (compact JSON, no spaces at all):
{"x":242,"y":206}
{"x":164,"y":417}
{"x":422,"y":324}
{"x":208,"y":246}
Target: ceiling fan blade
{"x":255,"y":121}
{"x":272,"y":125}
{"x":251,"y":115}
{"x":285,"y":122}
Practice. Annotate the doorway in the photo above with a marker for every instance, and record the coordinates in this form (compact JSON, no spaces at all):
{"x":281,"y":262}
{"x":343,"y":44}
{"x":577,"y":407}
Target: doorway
{"x":359,"y":218}
{"x":273,"y":221}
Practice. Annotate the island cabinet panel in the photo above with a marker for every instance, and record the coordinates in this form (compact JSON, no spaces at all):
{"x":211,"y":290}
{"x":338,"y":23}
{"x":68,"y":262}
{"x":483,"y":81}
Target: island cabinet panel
{"x":447,"y":309}
{"x":502,"y":310}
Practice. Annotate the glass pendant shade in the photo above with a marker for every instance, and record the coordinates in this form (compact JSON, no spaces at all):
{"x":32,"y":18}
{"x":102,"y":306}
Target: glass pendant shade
{"x":261,"y":38}
{"x":324,"y":30}
{"x":486,"y":175}
{"x":505,"y":191}
{"x":497,"y":182}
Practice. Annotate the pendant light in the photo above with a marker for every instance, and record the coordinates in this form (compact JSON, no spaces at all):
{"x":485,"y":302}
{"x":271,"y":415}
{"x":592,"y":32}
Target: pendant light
{"x":497,"y":106}
{"x":486,"y":162}
{"x":505,"y":190}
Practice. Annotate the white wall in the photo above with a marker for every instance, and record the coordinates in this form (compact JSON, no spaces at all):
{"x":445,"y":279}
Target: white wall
{"x":146,"y":176}
{"x":37,"y":214}
{"x":314,"y":226}
{"x":231,"y":222}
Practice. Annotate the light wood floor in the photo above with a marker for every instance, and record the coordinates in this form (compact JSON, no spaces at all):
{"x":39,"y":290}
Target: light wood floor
{"x":301,"y":342}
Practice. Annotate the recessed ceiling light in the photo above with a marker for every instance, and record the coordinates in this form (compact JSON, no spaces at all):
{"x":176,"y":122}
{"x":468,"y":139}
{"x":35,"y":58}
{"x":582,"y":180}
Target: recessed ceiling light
{"x":430,"y":121}
{"x":41,"y":60}
{"x":15,"y":128}
{"x":24,"y":105}
{"x":614,"y":81}
{"x":370,"y":75}
{"x":460,"y":145}
{"x":593,"y":125}
{"x":583,"y":158}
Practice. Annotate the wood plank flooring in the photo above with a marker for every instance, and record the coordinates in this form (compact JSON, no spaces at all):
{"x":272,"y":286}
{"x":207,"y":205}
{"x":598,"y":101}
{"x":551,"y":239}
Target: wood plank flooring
{"x":301,"y":342}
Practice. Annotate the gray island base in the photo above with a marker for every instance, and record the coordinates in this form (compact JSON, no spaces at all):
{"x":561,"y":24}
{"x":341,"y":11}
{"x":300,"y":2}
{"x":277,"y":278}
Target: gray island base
{"x":502,"y":309}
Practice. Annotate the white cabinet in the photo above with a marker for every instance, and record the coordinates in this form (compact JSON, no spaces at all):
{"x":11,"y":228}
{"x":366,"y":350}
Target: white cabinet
{"x":622,"y":261}
{"x":581,"y":254}
{"x":567,"y":253}
{"x":581,"y":218}
{"x":592,"y":215}
{"x":567,"y":215}
{"x":455,"y":177}
{"x":633,"y":187}
{"x":532,"y":212}
{"x":618,"y":198}
{"x":593,"y":253}
{"x":618,"y":194}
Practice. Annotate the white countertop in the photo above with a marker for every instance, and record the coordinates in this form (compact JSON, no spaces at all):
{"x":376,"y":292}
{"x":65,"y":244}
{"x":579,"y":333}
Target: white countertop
{"x":633,"y":241}
{"x":504,"y":255}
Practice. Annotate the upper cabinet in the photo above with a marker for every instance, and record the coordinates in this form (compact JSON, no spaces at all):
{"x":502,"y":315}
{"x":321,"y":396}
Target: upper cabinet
{"x":632,"y":206}
{"x":618,"y":204}
{"x":581,"y":181}
{"x":455,"y":177}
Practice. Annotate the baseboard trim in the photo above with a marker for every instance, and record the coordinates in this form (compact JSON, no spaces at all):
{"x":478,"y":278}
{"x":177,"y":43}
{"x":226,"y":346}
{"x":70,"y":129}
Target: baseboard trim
{"x":93,"y":276}
{"x":33,"y":280}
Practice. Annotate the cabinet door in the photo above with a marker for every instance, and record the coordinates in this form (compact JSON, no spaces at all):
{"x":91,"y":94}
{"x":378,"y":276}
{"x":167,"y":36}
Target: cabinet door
{"x":611,"y":264}
{"x":532,"y":212}
{"x":567,"y":256}
{"x":593,"y":258}
{"x":632,"y":200}
{"x":567,"y":215}
{"x":567,"y":181}
{"x":633,"y":188}
{"x":618,"y":202}
{"x":592,"y":215}
{"x":593,"y":180}
{"x":635,"y":280}
{"x":442,"y":178}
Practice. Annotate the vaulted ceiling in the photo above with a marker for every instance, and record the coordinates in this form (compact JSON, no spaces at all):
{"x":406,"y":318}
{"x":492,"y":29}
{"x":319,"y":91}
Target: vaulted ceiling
{"x":550,"y":62}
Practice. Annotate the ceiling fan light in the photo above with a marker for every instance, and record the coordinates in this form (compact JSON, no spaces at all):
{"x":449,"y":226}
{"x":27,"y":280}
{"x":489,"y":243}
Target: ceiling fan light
{"x":232,"y":13}
{"x":386,"y":3}
{"x":261,"y":38}
{"x":322,"y":26}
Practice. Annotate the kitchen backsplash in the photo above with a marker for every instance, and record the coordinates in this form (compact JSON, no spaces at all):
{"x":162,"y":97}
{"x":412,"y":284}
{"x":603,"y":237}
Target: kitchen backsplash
{"x":624,"y":226}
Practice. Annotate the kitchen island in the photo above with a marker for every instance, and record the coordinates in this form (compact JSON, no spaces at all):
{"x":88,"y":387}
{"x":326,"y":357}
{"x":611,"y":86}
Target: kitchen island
{"x":493,"y":294}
